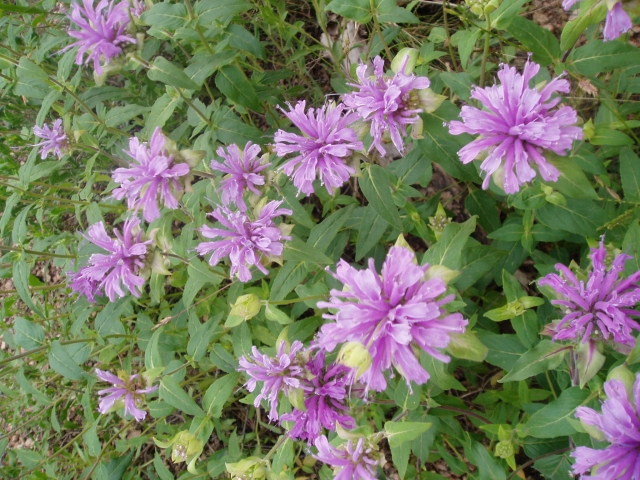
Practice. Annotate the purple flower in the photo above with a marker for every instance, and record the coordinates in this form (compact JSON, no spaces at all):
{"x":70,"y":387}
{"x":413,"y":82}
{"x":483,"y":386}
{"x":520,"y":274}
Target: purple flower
{"x":389,"y":103}
{"x":55,"y":140}
{"x":128,"y":386}
{"x":325,"y":142}
{"x":280,"y":373}
{"x":617,"y":22}
{"x":517,"y":127}
{"x":350,"y":461}
{"x":600,"y":307}
{"x":121,"y":266}
{"x":325,"y":390}
{"x":242,"y":169}
{"x":246,"y":242}
{"x":102,"y":31}
{"x":620,"y":424}
{"x":389,"y":314}
{"x":152,"y":175}
{"x":137,"y":8}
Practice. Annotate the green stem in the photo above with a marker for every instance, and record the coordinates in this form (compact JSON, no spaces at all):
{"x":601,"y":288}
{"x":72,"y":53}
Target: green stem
{"x":34,"y":252}
{"x":445,"y":17}
{"x":192,"y":16}
{"x":297,"y":300}
{"x":35,"y":289}
{"x":379,"y":30}
{"x":485,"y":53}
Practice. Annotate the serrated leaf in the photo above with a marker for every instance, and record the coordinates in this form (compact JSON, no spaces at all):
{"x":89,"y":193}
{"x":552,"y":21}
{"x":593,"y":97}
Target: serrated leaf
{"x":172,"y":393}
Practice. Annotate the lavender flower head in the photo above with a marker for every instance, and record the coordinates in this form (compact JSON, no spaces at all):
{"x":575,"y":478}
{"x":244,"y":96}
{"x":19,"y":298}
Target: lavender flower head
{"x":279,"y":373}
{"x":325,"y":143}
{"x":518,"y":126}
{"x":55,"y":140}
{"x":152,"y":177}
{"x":617,"y":21}
{"x":599,"y":308}
{"x":102,"y":31}
{"x":325,"y":390}
{"x":389,"y":103}
{"x":389,"y":314}
{"x":243,"y":172}
{"x":127,"y":387}
{"x":245,"y":241}
{"x":108,"y":273}
{"x":351,"y":461}
{"x":619,"y":423}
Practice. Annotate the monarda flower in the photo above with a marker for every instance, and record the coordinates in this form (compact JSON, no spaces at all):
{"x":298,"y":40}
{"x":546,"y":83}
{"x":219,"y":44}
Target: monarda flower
{"x":324,"y":391}
{"x":152,"y":178}
{"x":277,"y":374}
{"x":246,"y":242}
{"x":390,"y":314}
{"x":617,"y":21}
{"x":618,"y":424}
{"x":55,"y":140}
{"x":325,"y":144}
{"x":128,"y":391}
{"x":600,"y":307}
{"x":355,"y":460}
{"x":109,"y":273}
{"x":101,"y":33}
{"x":517,"y":127}
{"x":389,"y":103}
{"x":243,"y":172}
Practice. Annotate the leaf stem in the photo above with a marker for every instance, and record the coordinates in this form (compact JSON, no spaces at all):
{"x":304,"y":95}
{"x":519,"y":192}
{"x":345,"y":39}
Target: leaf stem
{"x":485,"y":53}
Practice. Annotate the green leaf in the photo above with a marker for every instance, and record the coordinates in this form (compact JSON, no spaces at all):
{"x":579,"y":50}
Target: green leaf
{"x":199,"y":341}
{"x":27,"y":334}
{"x":599,"y":57}
{"x":551,"y":421}
{"x":572,"y":181}
{"x":161,"y":111}
{"x":230,"y":129}
{"x":242,"y":39}
{"x":376,"y":188}
{"x":323,"y":234}
{"x":480,"y":203}
{"x":535,"y":39}
{"x":21,"y":274}
{"x":172,"y":393}
{"x":203,"y":65}
{"x":62,"y":363}
{"x":232,"y":82}
{"x":544,"y":356}
{"x":467,"y":346}
{"x":210,"y":11}
{"x":358,"y":10}
{"x":504,"y":350}
{"x":631,"y":246}
{"x":438,"y":373}
{"x":120,"y":115}
{"x":296,"y":250}
{"x":274,"y":314}
{"x":609,"y":136}
{"x":630,"y":175}
{"x":166,"y":15}
{"x":168,"y":73}
{"x":372,"y":227}
{"x":218,"y":393}
{"x":476,"y":261}
{"x":289,"y":277}
{"x":578,"y":216}
{"x":505,"y":13}
{"x":448,"y":250}
{"x":398,"y":15}
{"x":405,"y":398}
{"x":152,"y":357}
{"x":460,"y":83}
{"x":488,"y":466}
{"x":398,"y":433}
{"x":108,"y":320}
{"x":590,"y":12}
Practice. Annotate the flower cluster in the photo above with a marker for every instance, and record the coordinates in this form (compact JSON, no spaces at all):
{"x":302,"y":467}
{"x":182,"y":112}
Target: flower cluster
{"x":321,"y":390}
{"x":518,"y":126}
{"x":108,"y":273}
{"x":326,"y":142}
{"x":127,"y":391}
{"x":243,"y":172}
{"x":618,"y":424}
{"x":153,"y":176}
{"x":101,"y":33}
{"x":55,"y":140}
{"x":246,"y":242}
{"x":389,"y":314}
{"x":389,"y":103}
{"x":617,"y":21}
{"x":599,"y":308}
{"x":351,"y":461}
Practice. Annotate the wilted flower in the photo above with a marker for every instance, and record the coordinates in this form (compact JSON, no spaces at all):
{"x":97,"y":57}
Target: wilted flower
{"x":517,"y":127}
{"x":102,"y":31}
{"x":108,"y":273}
{"x":619,"y":424}
{"x":324,"y":390}
{"x":389,"y":103}
{"x":389,"y":314}
{"x":279,"y":373}
{"x":351,"y":461}
{"x":325,"y":143}
{"x":152,"y":177}
{"x":246,"y":242}
{"x":242,"y":169}
{"x":600,"y":307}
{"x":127,"y":389}
{"x":617,"y":22}
{"x":55,"y":140}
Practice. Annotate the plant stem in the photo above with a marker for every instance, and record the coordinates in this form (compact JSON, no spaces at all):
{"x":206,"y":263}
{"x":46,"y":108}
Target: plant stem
{"x":379,"y":30}
{"x":485,"y":54}
{"x":34,"y":252}
{"x":445,"y":18}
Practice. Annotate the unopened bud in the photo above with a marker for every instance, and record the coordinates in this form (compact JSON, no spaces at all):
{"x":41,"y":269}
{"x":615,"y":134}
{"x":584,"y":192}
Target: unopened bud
{"x":355,"y":355}
{"x":246,"y":306}
{"x":405,"y":61}
{"x":251,"y":468}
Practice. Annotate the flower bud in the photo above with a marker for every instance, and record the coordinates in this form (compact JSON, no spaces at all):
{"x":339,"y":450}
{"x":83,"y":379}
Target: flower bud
{"x":588,"y":130}
{"x":246,"y":306}
{"x":439,"y":221}
{"x":556,"y":198}
{"x":622,"y":373}
{"x":407,"y":58}
{"x":589,"y":359}
{"x":186,"y":448}
{"x":157,"y":264}
{"x":252,"y":468}
{"x":355,"y":355}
